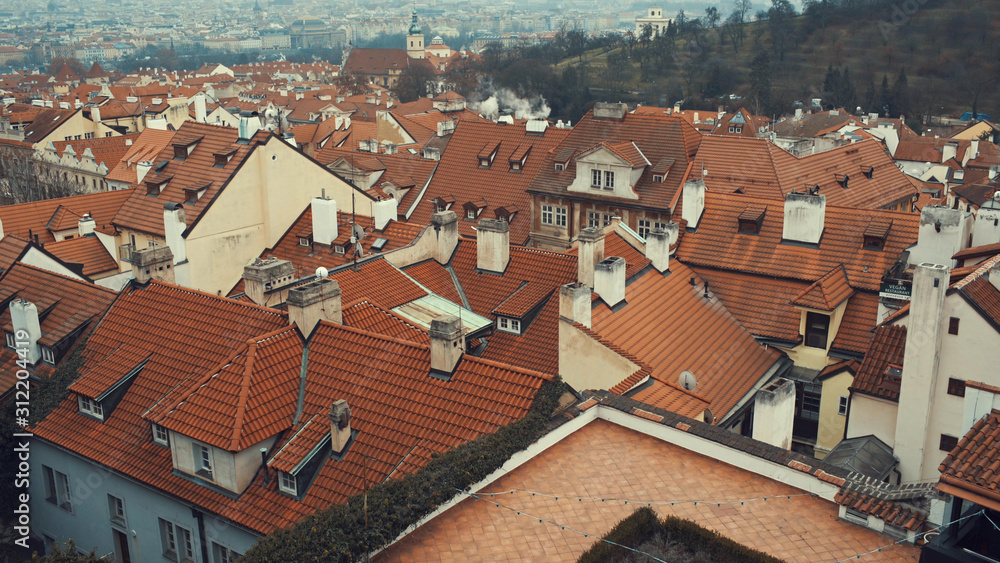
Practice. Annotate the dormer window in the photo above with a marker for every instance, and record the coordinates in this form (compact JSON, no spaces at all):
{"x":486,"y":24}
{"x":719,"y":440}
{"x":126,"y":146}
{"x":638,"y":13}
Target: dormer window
{"x":156,"y":188}
{"x":338,"y":249}
{"x":180,"y":153}
{"x":869,"y":172}
{"x":48,"y":356}
{"x":486,"y":155}
{"x":222,"y":159}
{"x":90,"y":407}
{"x":657,"y":178}
{"x":202,"y":460}
{"x":876,"y":233}
{"x":192,"y":196}
{"x":305,"y":241}
{"x":560,"y":167}
{"x":748,"y":226}
{"x":286,"y":483}
{"x":817,"y":330}
{"x":160,"y":435}
{"x":484,"y":163}
{"x":508,"y":324}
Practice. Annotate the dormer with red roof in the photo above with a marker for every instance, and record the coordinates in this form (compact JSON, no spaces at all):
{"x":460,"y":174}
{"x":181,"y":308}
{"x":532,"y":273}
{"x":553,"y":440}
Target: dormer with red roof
{"x":613,"y":168}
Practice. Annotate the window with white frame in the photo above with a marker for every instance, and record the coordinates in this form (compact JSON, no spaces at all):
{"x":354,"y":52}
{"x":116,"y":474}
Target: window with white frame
{"x":48,"y":356}
{"x":57,"y":488}
{"x":286,"y":482}
{"x":547,"y":215}
{"x":644,"y":227}
{"x":470,"y":214}
{"x":595,"y":178}
{"x":657,"y":178}
{"x":659,"y":225}
{"x":176,"y":541}
{"x":222,"y":554}
{"x":90,"y":406}
{"x":11,"y":341}
{"x":842,"y":405}
{"x":116,"y":508}
{"x":609,"y":180}
{"x":508,"y":324}
{"x":160,"y":435}
{"x":202,"y":460}
{"x":560,"y":216}
{"x":593,"y":219}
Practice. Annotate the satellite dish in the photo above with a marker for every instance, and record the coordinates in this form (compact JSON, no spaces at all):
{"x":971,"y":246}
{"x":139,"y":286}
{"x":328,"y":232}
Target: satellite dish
{"x":358,"y":232}
{"x":687,"y":380}
{"x":322,"y":272}
{"x":708,"y":416}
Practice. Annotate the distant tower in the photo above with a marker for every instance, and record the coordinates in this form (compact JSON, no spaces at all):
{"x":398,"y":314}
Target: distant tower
{"x":415,"y":39}
{"x":258,"y":13}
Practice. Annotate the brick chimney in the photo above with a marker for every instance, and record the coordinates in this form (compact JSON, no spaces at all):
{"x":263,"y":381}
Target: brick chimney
{"x":153,"y":263}
{"x":174,"y":225}
{"x":24,"y":318}
{"x":658,"y":246}
{"x":324,"y":220}
{"x":589,"y":254}
{"x":574,"y":303}
{"x":445,"y":225}
{"x":805,"y":218}
{"x":447,"y":344}
{"x":921,"y":360}
{"x":609,"y":280}
{"x":385,"y":210}
{"x":263,"y":276}
{"x":340,"y":426}
{"x":314,"y":302}
{"x":493,"y":245}
{"x":693,"y":202}
{"x":85,"y":226}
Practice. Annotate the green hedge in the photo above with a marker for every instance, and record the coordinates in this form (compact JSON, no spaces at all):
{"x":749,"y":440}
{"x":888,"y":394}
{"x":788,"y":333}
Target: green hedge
{"x":339,"y":534}
{"x":642,"y":530}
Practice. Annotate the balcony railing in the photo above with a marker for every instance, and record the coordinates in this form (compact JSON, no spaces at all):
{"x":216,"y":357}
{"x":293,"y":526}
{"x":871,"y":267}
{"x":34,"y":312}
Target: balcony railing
{"x":125,"y":252}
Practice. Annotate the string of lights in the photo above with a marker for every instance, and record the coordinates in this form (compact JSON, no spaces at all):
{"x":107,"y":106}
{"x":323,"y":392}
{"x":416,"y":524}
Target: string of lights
{"x":647,"y":502}
{"x":563,"y":526}
{"x":987,"y":516}
{"x":893,"y":544}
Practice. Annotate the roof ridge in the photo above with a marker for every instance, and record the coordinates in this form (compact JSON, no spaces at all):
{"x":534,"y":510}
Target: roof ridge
{"x":984,"y":266}
{"x":50,"y":272}
{"x":241,"y":404}
{"x":201,"y":293}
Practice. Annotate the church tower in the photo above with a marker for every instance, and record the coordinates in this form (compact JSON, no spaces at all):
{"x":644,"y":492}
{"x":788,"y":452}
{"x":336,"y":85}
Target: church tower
{"x":415,"y":39}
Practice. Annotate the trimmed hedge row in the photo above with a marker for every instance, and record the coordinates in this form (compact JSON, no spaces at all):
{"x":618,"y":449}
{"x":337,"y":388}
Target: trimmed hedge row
{"x":643,"y":527}
{"x":339,"y":533}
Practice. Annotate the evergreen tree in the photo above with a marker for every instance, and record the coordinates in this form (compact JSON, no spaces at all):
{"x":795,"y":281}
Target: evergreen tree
{"x":760,"y":83}
{"x":884,"y":98}
{"x":900,"y":102}
{"x":847,"y":96}
{"x":831,"y":86}
{"x":871,"y":97}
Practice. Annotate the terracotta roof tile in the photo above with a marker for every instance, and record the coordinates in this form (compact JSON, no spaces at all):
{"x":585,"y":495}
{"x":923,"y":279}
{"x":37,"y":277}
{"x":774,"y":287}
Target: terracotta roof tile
{"x":716,"y":244}
{"x":827,"y":293}
{"x":369,"y":316}
{"x":107,"y":150}
{"x":45,"y":122}
{"x":973,"y":467}
{"x":36,"y":216}
{"x":104,"y":375}
{"x":436,"y":278}
{"x":11,"y":249}
{"x":524,"y":299}
{"x":459,"y":175}
{"x":986,"y":298}
{"x":657,"y":137}
{"x":880,"y":372}
{"x":986,"y":250}
{"x":855,"y":333}
{"x":893,"y":513}
{"x":87,"y":251}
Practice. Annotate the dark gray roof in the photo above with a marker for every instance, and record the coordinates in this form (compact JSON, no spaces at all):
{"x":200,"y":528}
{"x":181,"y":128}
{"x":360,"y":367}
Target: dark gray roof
{"x":866,"y":455}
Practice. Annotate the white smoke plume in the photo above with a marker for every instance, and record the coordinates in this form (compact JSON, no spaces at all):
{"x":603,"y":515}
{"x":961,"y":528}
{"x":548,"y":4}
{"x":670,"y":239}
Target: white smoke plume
{"x":500,"y":99}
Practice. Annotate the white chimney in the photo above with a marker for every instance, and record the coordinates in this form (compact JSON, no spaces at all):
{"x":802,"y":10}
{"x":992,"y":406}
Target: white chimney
{"x":384,"y":211}
{"x":200,"y":111}
{"x":340,"y":426}
{"x":445,"y":225}
{"x":314,"y":302}
{"x":658,"y":246}
{"x":920,"y":370}
{"x":174,"y":225}
{"x":798,"y":114}
{"x":1,"y":230}
{"x":86,"y":225}
{"x":141,"y":168}
{"x":574,"y":303}
{"x":986,"y":229}
{"x":949,"y":151}
{"x":943,"y":232}
{"x":774,"y":413}
{"x":693,"y":202}
{"x":447,"y":344}
{"x":27,"y":331}
{"x":493,"y":245}
{"x":973,"y":151}
{"x":324,"y":220}
{"x":249,"y":125}
{"x":609,"y":280}
{"x":589,"y":253}
{"x":805,"y":218}
{"x":95,"y":115}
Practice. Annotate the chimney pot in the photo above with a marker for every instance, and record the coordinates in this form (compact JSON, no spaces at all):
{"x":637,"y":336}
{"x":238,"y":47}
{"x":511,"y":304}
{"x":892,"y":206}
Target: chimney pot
{"x":340,"y":426}
{"x":609,"y":280}
{"x":493,"y":245}
{"x":153,"y":263}
{"x":574,"y":303}
{"x":447,"y":344}
{"x":314,"y":302}
{"x":589,"y":254}
{"x":658,"y":246}
{"x":445,"y":225}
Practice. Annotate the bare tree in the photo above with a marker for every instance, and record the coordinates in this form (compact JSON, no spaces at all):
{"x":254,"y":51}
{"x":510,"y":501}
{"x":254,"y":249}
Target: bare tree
{"x":24,"y":179}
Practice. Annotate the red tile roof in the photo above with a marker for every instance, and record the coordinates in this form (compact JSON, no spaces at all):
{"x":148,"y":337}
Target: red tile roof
{"x":104,"y":375}
{"x":369,"y":316}
{"x":827,"y":293}
{"x":436,"y":278}
{"x":812,"y":124}
{"x":970,"y":471}
{"x":11,"y":249}
{"x":70,"y":303}
{"x":725,"y":373}
{"x":145,"y":148}
{"x":87,"y":251}
{"x":892,"y":513}
{"x":107,"y":150}
{"x":45,"y":122}
{"x":884,"y":355}
{"x":717,"y":244}
{"x":378,"y":61}
{"x":459,"y":175}
{"x":657,"y":137}
{"x":36,"y":216}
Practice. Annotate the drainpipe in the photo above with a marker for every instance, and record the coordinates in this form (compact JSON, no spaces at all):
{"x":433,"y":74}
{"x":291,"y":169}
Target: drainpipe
{"x":200,"y":517}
